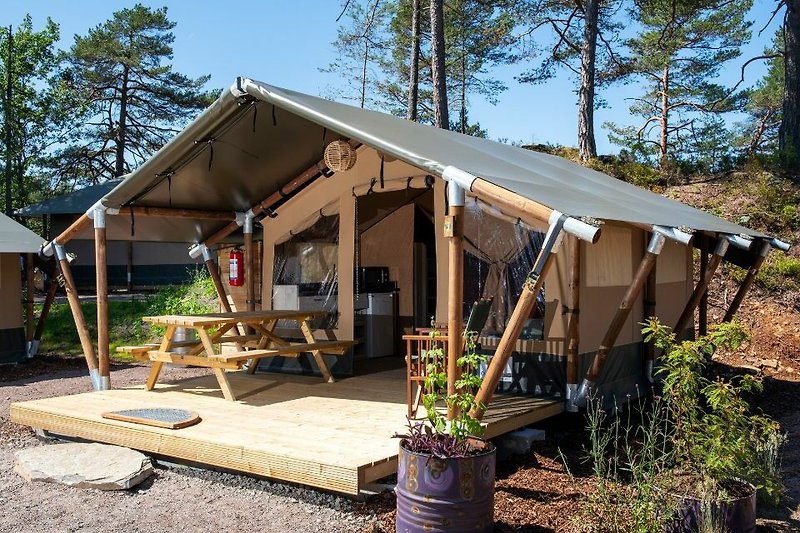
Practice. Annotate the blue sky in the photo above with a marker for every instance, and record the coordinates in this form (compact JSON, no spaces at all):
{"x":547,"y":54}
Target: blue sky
{"x":286,"y":42}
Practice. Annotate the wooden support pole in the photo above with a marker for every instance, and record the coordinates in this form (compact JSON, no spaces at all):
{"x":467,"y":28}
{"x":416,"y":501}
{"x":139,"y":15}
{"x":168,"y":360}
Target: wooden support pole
{"x":129,"y":268}
{"x":74,"y":228}
{"x":747,"y":282}
{"x":249,"y":255}
{"x":702,"y":286}
{"x":77,"y":315}
{"x":702,"y":312}
{"x":527,"y":209}
{"x":101,"y":270}
{"x":654,"y":248}
{"x":29,"y":298}
{"x":573,"y":327}
{"x":169,"y":212}
{"x":521,"y":312}
{"x":650,"y":311}
{"x":222,"y":295}
{"x":48,"y":303}
{"x":454,"y":230}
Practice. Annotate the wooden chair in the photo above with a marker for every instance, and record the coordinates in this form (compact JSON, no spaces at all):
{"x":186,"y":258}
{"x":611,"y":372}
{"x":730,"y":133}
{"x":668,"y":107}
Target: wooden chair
{"x":422,"y":350}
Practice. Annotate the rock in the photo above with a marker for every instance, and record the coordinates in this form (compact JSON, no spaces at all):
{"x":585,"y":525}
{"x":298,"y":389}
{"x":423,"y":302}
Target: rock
{"x":769,"y":363}
{"x":84,"y":465}
{"x":519,"y":442}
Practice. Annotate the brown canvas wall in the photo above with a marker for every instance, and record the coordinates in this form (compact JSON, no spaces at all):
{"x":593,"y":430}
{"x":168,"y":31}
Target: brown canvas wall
{"x":390,"y":243}
{"x":10,"y":291}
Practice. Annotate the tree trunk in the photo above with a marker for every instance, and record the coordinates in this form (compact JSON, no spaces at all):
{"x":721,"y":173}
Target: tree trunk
{"x":789,"y":133}
{"x":441,"y":118}
{"x":9,"y":141}
{"x":119,"y":164}
{"x":463,"y":114}
{"x":663,"y":145}
{"x":413,"y":78}
{"x":364,"y":73}
{"x":586,"y":144}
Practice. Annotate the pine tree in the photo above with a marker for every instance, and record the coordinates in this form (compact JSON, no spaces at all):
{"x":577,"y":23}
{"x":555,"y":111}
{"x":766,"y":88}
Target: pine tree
{"x":135,"y":102}
{"x":362,"y":47}
{"x":679,"y":50}
{"x":789,"y":131}
{"x":577,"y":27}
{"x":759,"y":133}
{"x":34,"y":107}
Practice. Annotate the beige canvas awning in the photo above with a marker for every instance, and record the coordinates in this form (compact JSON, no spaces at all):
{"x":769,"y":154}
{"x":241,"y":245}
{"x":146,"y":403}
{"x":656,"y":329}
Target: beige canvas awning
{"x":16,"y":238}
{"x":256,"y":138}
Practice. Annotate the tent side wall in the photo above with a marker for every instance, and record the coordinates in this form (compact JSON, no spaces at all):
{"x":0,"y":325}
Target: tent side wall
{"x":12,"y":331}
{"x":153,"y":263}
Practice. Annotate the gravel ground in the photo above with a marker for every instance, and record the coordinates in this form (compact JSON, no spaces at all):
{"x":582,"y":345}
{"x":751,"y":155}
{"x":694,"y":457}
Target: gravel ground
{"x":175,"y":499}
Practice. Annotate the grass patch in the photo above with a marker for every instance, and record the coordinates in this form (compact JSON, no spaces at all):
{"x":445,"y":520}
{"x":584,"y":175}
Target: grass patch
{"x":779,"y":273}
{"x":125,"y":317}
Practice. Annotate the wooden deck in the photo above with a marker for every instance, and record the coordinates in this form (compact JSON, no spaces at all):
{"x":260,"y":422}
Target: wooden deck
{"x":333,"y":436}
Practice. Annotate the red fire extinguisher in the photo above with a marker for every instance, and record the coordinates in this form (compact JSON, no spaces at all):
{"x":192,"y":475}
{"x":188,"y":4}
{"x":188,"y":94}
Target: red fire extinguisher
{"x":236,"y":274}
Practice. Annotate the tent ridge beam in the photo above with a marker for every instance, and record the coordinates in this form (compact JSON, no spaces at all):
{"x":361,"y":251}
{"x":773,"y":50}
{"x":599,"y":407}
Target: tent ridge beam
{"x":266,"y":204}
{"x":518,"y":203}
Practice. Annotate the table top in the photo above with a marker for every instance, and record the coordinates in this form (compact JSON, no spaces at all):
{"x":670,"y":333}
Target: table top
{"x":237,"y":317}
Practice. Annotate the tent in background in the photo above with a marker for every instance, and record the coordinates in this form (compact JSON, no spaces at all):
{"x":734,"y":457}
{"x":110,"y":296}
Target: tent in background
{"x":15,"y":239}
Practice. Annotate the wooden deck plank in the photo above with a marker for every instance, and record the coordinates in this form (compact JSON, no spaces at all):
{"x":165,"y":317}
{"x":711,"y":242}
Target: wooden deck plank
{"x":333,"y":436}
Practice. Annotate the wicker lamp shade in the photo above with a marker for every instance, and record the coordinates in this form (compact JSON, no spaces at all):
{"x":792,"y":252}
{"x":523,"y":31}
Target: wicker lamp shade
{"x":340,"y":156}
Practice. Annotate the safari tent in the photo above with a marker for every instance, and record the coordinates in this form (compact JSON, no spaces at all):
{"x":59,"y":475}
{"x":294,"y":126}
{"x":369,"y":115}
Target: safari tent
{"x":388,"y":224}
{"x":130,"y":265}
{"x":16,"y":328}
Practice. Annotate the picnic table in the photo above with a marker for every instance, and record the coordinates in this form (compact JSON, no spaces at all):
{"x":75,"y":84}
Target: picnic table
{"x":216,"y":328}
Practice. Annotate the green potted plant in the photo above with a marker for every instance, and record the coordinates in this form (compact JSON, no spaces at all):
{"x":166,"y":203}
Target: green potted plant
{"x":445,"y":471}
{"x":723,"y":454}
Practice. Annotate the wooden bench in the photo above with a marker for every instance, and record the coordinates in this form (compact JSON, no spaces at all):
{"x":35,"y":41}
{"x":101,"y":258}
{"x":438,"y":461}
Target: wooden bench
{"x":291,"y":350}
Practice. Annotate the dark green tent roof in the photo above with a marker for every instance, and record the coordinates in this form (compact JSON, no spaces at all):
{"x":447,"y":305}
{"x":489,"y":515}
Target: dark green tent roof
{"x":74,"y":203}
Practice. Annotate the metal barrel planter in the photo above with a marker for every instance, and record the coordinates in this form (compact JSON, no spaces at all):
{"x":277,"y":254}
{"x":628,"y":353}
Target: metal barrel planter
{"x":445,"y":495}
{"x":735,"y":515}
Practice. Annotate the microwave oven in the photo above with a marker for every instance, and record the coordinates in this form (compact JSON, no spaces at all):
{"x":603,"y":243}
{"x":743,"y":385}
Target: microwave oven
{"x":372,"y":279}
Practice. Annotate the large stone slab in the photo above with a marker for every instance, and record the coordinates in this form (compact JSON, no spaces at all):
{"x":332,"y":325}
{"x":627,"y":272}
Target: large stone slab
{"x":84,"y":465}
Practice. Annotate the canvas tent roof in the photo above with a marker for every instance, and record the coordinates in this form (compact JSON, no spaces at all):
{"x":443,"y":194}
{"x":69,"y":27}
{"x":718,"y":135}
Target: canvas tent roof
{"x":16,"y":238}
{"x":256,"y":138}
{"x":74,"y":203}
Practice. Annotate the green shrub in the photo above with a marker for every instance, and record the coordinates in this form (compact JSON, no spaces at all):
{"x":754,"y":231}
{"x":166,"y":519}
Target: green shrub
{"x":197,"y":297}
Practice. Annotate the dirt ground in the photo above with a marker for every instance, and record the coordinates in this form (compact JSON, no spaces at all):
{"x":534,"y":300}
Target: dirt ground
{"x":534,"y":493}
{"x":174,"y":499}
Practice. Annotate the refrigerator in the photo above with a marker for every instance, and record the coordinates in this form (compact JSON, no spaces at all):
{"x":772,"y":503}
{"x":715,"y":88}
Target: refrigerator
{"x":378,"y":312}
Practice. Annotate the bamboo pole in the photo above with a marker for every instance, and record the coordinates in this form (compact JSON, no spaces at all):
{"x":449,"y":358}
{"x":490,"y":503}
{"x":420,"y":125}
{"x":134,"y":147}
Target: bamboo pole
{"x":702,"y":312}
{"x":654,"y":248}
{"x":702,"y":285}
{"x":77,"y":314}
{"x":573,"y":328}
{"x":29,"y":298}
{"x":101,"y":276}
{"x":747,"y":282}
{"x":455,"y":292}
{"x":521,"y":312}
